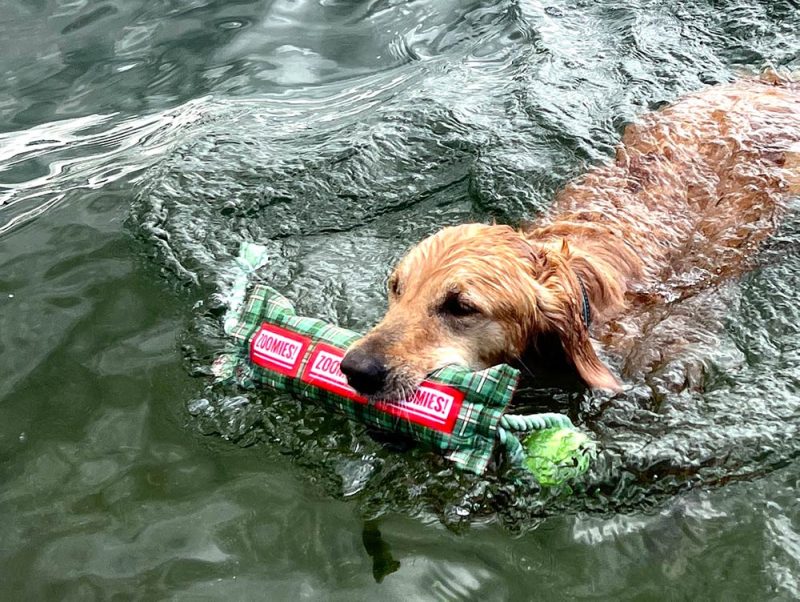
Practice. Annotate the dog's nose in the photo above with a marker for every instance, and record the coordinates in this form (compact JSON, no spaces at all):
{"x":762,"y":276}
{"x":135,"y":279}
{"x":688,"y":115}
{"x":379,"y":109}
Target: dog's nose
{"x":365,"y":372}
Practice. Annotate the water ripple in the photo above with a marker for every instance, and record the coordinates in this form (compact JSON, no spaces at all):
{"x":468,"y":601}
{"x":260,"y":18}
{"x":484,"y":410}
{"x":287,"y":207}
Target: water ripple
{"x":340,"y":177}
{"x":45,"y":164}
{"x":340,"y":133}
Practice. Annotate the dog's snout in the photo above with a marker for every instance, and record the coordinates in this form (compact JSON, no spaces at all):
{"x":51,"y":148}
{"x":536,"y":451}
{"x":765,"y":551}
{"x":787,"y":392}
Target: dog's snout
{"x":365,"y":372}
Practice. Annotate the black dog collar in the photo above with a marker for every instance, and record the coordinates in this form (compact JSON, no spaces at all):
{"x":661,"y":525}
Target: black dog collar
{"x":587,"y":309}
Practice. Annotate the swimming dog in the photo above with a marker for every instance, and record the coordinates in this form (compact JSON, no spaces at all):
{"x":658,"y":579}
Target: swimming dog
{"x":692,"y":191}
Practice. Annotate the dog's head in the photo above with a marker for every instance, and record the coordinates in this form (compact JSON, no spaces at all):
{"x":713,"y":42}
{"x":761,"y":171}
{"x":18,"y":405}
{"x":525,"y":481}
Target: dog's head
{"x":474,"y":295}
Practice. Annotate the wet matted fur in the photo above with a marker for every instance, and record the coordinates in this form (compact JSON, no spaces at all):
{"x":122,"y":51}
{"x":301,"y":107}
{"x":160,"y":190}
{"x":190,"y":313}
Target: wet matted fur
{"x":693,"y":190}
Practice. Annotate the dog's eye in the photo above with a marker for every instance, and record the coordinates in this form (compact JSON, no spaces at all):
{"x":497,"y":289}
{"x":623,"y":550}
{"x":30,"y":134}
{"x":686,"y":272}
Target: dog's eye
{"x":394,"y":285}
{"x":457,"y":306}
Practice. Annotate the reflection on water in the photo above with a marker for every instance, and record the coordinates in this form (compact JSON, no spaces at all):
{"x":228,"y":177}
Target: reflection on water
{"x":51,"y":162}
{"x":339,"y":133}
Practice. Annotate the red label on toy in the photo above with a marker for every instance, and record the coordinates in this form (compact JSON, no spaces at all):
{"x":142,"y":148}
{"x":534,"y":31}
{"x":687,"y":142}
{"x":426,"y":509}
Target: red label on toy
{"x":278,"y":349}
{"x":433,"y":406}
{"x":323,"y":371}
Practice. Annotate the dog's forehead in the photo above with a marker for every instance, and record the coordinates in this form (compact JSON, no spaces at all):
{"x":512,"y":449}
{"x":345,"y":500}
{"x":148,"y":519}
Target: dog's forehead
{"x":487,"y":263}
{"x":490,"y":277}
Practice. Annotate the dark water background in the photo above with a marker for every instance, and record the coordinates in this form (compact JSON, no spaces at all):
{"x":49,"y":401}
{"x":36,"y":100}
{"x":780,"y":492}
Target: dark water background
{"x":140,"y":142}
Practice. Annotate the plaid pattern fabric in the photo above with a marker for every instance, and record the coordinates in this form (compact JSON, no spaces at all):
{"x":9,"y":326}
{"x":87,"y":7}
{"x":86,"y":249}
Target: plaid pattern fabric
{"x":477,"y":400}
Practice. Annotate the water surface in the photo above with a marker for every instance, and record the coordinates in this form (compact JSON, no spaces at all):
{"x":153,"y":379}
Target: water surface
{"x":141,"y":142}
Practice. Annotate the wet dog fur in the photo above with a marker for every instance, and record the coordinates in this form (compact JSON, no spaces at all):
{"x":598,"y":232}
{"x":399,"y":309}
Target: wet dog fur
{"x":692,"y":191}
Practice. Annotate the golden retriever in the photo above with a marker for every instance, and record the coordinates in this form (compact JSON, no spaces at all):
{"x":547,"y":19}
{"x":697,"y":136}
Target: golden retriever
{"x":692,"y":191}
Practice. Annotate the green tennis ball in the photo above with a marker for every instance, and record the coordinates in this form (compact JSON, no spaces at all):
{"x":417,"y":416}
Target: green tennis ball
{"x":556,"y":455}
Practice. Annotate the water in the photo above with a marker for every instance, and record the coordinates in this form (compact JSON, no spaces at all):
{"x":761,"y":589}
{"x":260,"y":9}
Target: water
{"x":141,"y":142}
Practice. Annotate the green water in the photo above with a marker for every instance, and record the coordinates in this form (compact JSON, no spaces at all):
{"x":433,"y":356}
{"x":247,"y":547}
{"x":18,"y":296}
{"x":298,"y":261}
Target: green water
{"x":141,"y":142}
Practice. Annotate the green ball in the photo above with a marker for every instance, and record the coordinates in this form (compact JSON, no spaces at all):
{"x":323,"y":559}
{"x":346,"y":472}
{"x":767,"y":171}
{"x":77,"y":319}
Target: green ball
{"x":557,"y":455}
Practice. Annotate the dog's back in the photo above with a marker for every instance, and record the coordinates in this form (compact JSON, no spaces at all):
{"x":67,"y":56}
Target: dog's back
{"x":695,"y":187}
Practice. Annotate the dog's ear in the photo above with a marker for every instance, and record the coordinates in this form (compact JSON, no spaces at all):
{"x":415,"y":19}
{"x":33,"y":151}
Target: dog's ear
{"x":535,"y":256}
{"x":563,"y":312}
{"x":578,"y":348}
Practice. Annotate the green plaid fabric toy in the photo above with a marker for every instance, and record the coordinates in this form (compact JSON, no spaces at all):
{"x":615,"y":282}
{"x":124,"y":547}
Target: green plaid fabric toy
{"x":456,"y":411}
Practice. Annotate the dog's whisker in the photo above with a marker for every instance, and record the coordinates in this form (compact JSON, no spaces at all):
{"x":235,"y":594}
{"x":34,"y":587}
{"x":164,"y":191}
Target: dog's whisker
{"x":518,"y":360}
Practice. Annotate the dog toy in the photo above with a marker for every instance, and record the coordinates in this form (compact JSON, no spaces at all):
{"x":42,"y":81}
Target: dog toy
{"x":558,"y":455}
{"x":459,"y":412}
